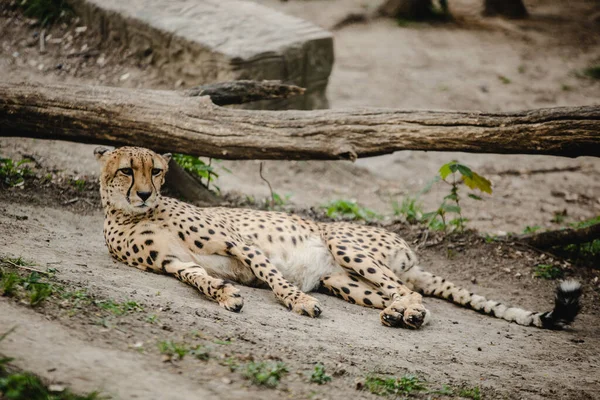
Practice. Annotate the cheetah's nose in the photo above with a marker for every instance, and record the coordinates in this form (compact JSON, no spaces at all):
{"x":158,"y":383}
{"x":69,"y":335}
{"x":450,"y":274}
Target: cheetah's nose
{"x":144,"y":195}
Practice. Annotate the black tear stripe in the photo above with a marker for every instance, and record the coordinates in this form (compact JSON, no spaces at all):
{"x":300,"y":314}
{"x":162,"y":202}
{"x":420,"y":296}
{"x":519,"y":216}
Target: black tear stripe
{"x":132,"y":182}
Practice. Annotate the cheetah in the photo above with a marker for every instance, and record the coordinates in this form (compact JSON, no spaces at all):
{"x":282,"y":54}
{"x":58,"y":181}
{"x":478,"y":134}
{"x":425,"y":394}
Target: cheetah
{"x":210,"y":248}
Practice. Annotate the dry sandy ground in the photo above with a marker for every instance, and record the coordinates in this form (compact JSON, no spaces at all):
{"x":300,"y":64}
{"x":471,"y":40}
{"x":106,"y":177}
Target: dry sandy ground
{"x":377,"y":64}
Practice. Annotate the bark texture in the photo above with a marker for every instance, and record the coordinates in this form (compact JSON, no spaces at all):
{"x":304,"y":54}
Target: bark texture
{"x":174,"y":121}
{"x":406,"y":9}
{"x":505,"y":8}
{"x":544,"y":240}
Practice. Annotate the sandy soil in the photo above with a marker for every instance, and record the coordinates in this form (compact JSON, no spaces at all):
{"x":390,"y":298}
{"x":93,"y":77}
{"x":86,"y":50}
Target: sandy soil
{"x":449,"y":66}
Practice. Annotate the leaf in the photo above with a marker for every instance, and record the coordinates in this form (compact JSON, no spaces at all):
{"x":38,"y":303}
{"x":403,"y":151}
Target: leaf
{"x":474,"y":196}
{"x":447,"y":169}
{"x":451,"y":208}
{"x":430,"y":215}
{"x":452,"y":197}
{"x":464,"y":170}
{"x":478,"y":182}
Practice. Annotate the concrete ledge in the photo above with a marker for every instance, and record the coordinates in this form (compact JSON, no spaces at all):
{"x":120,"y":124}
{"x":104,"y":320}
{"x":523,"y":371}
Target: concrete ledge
{"x":204,"y":41}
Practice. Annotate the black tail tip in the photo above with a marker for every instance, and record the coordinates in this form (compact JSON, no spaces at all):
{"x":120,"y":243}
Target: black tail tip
{"x":566,"y":306}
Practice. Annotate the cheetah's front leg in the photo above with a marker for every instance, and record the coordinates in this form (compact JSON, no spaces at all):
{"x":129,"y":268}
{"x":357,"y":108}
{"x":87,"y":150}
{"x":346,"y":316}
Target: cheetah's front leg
{"x":217,"y":289}
{"x":293,"y":298}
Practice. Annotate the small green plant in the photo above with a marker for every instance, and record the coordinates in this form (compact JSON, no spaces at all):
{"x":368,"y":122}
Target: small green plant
{"x":279,"y":201}
{"x":470,"y":393}
{"x":592,"y":72}
{"x":349,"y":209}
{"x":402,"y":386}
{"x":19,"y":262}
{"x":547,"y":271}
{"x":8,"y":283}
{"x":46,"y":11}
{"x":14,"y":173}
{"x":12,"y":285}
{"x":173,"y":349}
{"x":201,"y":352}
{"x":531,"y":229}
{"x":198,"y":167}
{"x":438,"y":219}
{"x":267,"y":373}
{"x":78,"y":184}
{"x":152,"y":319}
{"x":504,"y":79}
{"x":319,"y":376}
{"x":119,"y":309}
{"x":232,"y":363}
{"x":39,"y":292}
{"x":409,"y":209}
{"x":559,"y":217}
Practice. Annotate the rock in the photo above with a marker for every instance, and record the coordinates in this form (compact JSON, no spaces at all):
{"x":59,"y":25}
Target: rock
{"x":206,"y":41}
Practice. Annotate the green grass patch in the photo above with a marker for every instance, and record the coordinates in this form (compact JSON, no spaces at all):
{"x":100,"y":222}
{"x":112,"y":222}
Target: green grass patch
{"x":547,"y":271}
{"x":392,"y":386}
{"x":178,"y":350}
{"x":117,"y":308}
{"x":31,"y":287}
{"x":319,"y":375}
{"x":78,"y":184}
{"x":14,"y":173}
{"x":504,"y":79}
{"x":173,"y":349}
{"x":582,"y":253}
{"x":410,"y":209}
{"x":470,"y":393}
{"x":531,"y":229}
{"x":46,"y":11}
{"x":267,"y":373}
{"x":349,"y":209}
{"x":195,"y":166}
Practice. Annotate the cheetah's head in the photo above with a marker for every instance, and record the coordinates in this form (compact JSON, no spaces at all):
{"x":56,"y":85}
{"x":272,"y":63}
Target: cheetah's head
{"x":131,"y":177}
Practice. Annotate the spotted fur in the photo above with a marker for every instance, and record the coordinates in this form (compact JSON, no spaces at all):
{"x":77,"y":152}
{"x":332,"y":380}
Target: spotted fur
{"x":210,"y":247}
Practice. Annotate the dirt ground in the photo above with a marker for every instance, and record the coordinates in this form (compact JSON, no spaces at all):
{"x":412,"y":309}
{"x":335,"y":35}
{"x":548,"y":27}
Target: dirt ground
{"x":472,"y":64}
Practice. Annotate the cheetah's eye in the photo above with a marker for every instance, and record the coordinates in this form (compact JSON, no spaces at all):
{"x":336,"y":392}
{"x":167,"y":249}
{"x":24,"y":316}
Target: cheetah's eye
{"x":126,"y":171}
{"x":156,"y":171}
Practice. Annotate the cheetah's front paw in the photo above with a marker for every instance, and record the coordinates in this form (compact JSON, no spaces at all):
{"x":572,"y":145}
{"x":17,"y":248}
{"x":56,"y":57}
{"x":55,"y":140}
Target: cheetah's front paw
{"x":229,"y":298}
{"x":306,"y":305}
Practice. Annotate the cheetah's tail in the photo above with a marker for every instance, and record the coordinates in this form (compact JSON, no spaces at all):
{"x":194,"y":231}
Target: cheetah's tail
{"x":566,"y":302}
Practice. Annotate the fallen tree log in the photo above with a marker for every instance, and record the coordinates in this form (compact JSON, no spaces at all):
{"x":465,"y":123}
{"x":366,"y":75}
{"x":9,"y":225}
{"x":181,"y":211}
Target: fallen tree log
{"x":544,"y":240}
{"x":177,"y":122}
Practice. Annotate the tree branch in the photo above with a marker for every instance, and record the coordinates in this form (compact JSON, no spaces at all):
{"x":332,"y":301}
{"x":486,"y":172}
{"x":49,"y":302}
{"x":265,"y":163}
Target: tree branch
{"x":174,"y":121}
{"x":544,"y":240}
{"x":242,"y":91}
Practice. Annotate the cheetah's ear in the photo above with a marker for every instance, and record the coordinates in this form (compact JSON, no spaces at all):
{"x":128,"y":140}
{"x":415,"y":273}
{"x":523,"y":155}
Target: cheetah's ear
{"x":167,"y":157}
{"x":99,"y":152}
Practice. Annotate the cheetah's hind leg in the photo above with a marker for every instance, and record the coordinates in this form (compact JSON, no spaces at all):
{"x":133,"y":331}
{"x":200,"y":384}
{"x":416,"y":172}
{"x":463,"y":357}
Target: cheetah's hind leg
{"x":354,"y":290}
{"x":221,"y":291}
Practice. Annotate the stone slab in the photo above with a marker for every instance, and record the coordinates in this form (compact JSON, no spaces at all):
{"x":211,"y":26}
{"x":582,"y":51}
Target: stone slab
{"x":205,"y":41}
